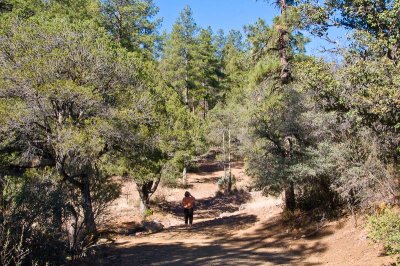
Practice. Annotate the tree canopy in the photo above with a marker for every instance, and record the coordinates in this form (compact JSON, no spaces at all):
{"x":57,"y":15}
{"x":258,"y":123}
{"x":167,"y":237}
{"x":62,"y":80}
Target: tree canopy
{"x":90,"y":91}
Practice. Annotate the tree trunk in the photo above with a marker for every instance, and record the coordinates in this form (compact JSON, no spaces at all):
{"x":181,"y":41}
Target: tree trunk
{"x":73,"y":229}
{"x":1,"y":199}
{"x":223,"y":148}
{"x":392,"y":53}
{"x":184,"y":176}
{"x":282,"y":4}
{"x":290,"y":199}
{"x":285,"y":72}
{"x":144,"y":204}
{"x":145,"y":190}
{"x":285,"y":75}
{"x":229,"y":162}
{"x":86,"y":203}
{"x":193,"y":106}
{"x":204,"y":108}
{"x":186,"y":82}
{"x":144,"y":196}
{"x":187,"y":96}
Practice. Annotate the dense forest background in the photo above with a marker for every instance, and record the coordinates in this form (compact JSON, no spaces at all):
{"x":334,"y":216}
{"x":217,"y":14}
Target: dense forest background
{"x":91,"y":89}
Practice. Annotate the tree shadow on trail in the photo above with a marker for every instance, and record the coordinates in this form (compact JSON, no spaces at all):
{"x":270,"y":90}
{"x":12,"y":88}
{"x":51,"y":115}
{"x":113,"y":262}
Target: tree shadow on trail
{"x":209,"y":207}
{"x":209,"y":167}
{"x":205,"y":167}
{"x":268,"y":245}
{"x":217,"y":227}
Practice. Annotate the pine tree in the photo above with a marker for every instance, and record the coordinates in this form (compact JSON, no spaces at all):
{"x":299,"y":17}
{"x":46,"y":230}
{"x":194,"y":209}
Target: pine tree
{"x":275,"y":123}
{"x":234,"y":62}
{"x":177,"y":65}
{"x":132,"y":23}
{"x":207,"y":71}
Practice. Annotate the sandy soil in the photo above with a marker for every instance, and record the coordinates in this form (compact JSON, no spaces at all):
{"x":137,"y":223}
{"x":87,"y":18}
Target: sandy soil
{"x":240,"y":229}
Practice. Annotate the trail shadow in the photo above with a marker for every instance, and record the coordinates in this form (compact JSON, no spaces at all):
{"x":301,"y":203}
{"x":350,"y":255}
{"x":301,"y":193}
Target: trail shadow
{"x":211,"y":179}
{"x":269,"y":244}
{"x":207,"y":167}
{"x":222,"y":226}
{"x":211,"y":166}
{"x":209,"y":207}
{"x":125,"y":228}
{"x":185,"y":186}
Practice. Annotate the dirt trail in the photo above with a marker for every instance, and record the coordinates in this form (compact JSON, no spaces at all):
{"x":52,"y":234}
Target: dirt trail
{"x":240,"y":229}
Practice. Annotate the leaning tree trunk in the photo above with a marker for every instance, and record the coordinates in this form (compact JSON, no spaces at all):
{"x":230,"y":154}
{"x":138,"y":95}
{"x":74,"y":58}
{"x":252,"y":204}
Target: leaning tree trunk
{"x":283,"y":44}
{"x":86,"y":203}
{"x":144,"y":196}
{"x":146,"y":189}
{"x":285,"y":75}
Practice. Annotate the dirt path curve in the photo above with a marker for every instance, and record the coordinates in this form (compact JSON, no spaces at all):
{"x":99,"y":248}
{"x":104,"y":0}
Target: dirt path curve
{"x":240,"y":229}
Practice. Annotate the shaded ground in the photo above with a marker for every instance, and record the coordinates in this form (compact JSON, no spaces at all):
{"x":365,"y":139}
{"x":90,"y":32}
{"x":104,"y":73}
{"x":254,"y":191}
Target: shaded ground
{"x":239,"y":229}
{"x":209,"y":207}
{"x":220,"y":246}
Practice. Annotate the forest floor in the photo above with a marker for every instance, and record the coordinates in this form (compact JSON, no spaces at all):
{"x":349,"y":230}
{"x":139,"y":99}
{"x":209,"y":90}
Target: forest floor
{"x":244,"y":228}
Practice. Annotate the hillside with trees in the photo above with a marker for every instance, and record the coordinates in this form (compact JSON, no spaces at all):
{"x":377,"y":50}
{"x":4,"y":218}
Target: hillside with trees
{"x":94,"y":97}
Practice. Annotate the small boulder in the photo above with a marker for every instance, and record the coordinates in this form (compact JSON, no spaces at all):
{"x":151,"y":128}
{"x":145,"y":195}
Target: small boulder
{"x":153,"y":226}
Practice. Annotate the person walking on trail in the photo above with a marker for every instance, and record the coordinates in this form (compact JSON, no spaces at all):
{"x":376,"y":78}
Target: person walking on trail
{"x":188,"y":204}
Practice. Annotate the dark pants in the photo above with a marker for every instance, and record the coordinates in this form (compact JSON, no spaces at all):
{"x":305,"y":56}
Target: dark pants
{"x":188,"y":215}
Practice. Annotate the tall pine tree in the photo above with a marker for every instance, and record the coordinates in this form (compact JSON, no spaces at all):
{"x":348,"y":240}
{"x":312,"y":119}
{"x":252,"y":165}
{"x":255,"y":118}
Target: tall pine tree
{"x":207,"y":71}
{"x":132,"y":23}
{"x":177,"y":65}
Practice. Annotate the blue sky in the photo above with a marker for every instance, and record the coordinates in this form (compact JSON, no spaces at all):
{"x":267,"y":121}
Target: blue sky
{"x":224,"y":14}
{"x":229,"y":14}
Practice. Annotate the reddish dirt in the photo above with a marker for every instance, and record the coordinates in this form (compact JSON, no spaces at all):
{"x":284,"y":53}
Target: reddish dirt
{"x":239,"y":229}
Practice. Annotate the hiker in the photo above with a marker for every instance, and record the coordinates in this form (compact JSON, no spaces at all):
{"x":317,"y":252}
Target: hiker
{"x":188,"y":204}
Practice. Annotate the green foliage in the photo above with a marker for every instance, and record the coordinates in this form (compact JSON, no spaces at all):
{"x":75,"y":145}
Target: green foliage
{"x":374,"y":24}
{"x":234,"y":61}
{"x":296,"y":136}
{"x":74,"y":10}
{"x":269,"y":67}
{"x":171,"y":173}
{"x":335,"y":119}
{"x":147,"y":213}
{"x":207,"y":71}
{"x":385,"y":228}
{"x":132,"y":23}
{"x":223,"y":182}
{"x":85,"y":95}
{"x":177,"y":66}
{"x":191,"y":64}
{"x":82,"y":101}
